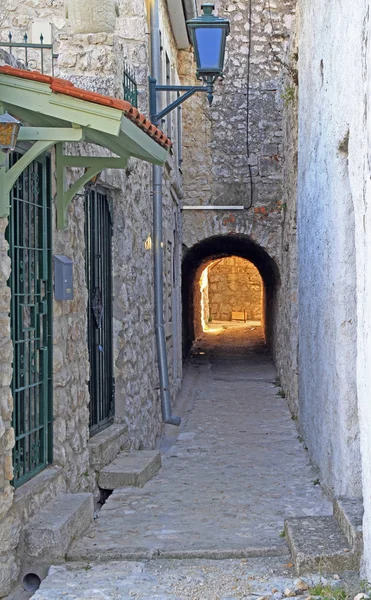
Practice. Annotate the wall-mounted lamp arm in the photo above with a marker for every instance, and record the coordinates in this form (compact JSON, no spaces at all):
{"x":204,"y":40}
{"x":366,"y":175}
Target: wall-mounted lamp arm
{"x":188,"y":90}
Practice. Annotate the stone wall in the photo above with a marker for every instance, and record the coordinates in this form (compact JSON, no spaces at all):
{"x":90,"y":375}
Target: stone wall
{"x":286,"y":331}
{"x":95,"y":62}
{"x":8,"y":568}
{"x":331,"y":199}
{"x":221,"y":160}
{"x":234,"y":286}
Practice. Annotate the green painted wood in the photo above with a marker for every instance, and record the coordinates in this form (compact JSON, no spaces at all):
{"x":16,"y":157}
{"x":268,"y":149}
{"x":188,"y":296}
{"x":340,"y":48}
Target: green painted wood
{"x":94,"y":166}
{"x":105,"y":126}
{"x":8,"y":178}
{"x":55,"y":134}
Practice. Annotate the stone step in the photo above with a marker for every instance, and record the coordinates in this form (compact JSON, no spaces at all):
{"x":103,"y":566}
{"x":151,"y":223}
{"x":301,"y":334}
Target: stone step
{"x":107,"y":444}
{"x":130,"y":469}
{"x":349,"y":514}
{"x":51,"y":531}
{"x":317,"y":544}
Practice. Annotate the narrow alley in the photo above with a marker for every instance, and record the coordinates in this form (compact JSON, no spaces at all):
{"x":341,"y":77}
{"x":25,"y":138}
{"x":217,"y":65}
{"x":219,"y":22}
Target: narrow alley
{"x":232,"y":475}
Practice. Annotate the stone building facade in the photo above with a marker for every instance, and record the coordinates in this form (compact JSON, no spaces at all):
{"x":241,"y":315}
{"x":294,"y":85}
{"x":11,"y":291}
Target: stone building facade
{"x":92,"y":47}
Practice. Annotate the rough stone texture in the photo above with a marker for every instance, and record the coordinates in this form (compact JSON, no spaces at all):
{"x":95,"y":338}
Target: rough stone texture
{"x":27,"y":501}
{"x":329,"y":190}
{"x":286,"y":328}
{"x":8,"y":567}
{"x":267,"y":578}
{"x":106,"y":445}
{"x":133,"y":469}
{"x":234,"y":286}
{"x":217,"y":168}
{"x":51,"y":531}
{"x":237,"y":462}
{"x":95,"y":61}
{"x":316,"y":543}
{"x":349,"y":514}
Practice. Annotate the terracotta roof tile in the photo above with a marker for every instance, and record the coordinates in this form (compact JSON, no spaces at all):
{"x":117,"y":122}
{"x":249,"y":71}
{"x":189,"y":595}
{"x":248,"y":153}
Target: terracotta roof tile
{"x":63,"y":86}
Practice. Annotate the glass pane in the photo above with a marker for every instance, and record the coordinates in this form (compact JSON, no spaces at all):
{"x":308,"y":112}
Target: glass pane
{"x":209,"y":43}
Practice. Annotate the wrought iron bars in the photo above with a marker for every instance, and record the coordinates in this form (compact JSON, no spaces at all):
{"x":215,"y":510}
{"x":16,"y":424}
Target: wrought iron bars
{"x":130,"y":85}
{"x":29,"y":236}
{"x":36,"y":56}
{"x":98,"y":236}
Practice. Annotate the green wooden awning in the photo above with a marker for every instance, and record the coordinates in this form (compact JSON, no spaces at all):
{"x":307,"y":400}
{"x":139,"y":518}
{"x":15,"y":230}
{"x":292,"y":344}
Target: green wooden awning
{"x":56,"y":112}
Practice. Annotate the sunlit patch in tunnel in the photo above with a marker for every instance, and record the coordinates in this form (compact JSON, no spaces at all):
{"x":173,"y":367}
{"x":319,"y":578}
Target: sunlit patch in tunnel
{"x":231,"y":291}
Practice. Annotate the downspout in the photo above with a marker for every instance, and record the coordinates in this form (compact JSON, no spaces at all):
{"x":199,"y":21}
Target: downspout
{"x":167,"y":416}
{"x":190,"y":9}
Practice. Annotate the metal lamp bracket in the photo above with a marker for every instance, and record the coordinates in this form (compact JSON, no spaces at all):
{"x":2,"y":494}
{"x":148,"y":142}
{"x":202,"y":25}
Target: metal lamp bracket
{"x":188,"y":90}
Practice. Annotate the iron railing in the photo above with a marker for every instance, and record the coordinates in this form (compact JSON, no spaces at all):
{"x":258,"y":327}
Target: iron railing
{"x":30,"y":248}
{"x":130,"y":86}
{"x":36,"y":57}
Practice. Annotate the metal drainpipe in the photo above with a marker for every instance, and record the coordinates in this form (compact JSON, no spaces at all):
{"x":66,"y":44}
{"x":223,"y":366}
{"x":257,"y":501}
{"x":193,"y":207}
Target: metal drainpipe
{"x":190,"y":9}
{"x":167,"y":416}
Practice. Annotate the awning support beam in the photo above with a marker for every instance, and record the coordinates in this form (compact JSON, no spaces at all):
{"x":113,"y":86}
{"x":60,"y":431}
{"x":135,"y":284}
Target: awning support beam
{"x":92,"y":164}
{"x":44,"y":138}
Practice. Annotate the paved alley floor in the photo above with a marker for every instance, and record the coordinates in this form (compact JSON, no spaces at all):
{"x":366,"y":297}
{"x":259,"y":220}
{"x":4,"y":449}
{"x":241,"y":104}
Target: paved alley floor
{"x":230,"y":476}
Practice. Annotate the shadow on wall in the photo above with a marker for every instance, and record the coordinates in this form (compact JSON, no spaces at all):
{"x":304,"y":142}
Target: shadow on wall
{"x":200,"y":255}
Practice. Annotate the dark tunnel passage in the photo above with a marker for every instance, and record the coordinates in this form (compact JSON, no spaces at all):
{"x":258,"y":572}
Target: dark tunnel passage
{"x":217,"y":247}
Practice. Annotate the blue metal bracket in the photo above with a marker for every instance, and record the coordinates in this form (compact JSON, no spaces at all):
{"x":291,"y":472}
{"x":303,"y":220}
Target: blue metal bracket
{"x":188,"y":90}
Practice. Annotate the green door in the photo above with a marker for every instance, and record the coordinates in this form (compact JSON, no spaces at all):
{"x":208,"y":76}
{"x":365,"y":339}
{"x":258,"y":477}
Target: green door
{"x":29,"y":236}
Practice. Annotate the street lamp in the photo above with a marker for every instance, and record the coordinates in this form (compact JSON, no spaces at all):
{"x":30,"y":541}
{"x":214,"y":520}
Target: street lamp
{"x":9,"y":130}
{"x":208,"y":35}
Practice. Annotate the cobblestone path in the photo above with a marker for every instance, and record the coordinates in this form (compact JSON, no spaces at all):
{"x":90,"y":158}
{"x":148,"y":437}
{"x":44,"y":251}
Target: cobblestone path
{"x":230,"y":476}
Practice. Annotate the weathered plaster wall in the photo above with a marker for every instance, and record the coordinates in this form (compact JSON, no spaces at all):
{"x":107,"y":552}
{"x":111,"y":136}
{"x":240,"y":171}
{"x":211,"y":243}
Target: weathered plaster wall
{"x":330,"y":197}
{"x":360,"y":178}
{"x":234,"y":285}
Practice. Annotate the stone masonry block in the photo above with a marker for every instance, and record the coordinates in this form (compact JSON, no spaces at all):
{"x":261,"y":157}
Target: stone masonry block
{"x":105,"y":446}
{"x":349,"y":514}
{"x":51,"y":531}
{"x":133,"y":469}
{"x":316,"y":543}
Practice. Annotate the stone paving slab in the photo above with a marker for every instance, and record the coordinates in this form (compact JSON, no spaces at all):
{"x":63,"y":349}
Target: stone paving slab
{"x":235,"y":472}
{"x":181,"y":580}
{"x":317,"y":543}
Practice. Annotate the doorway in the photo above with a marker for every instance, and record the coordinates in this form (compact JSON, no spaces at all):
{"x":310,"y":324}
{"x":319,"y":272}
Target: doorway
{"x":98,"y":240}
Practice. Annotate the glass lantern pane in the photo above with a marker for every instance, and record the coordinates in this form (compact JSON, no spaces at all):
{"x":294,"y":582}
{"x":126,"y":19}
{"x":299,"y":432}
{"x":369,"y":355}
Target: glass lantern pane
{"x":209,"y":43}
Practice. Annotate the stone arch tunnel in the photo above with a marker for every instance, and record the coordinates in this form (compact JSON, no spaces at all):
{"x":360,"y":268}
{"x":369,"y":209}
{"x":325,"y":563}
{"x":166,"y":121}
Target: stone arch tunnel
{"x":200,"y":255}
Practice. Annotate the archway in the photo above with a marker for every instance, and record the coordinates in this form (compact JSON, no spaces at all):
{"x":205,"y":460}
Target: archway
{"x":203,"y":254}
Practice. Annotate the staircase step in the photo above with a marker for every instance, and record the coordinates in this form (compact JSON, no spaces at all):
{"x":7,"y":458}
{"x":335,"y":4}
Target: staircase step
{"x":130,"y":469}
{"x":106,"y":445}
{"x":51,"y":531}
{"x":316,"y":543}
{"x":349,"y":514}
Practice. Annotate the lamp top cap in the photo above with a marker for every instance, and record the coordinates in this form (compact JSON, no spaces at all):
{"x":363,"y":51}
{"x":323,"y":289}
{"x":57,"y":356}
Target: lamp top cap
{"x":7,"y":118}
{"x":208,"y":7}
